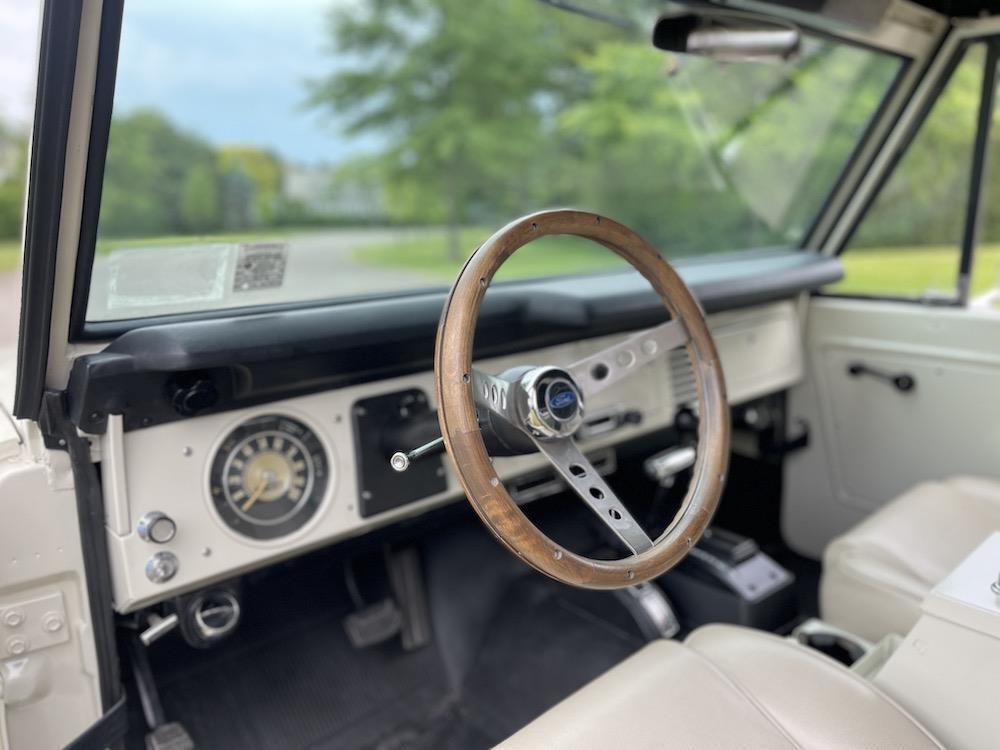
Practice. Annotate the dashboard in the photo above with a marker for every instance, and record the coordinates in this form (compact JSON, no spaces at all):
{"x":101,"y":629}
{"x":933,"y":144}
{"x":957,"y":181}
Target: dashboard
{"x":201,"y":499}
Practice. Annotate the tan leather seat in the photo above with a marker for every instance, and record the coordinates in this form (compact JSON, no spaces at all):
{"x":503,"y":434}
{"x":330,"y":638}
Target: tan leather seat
{"x":876,"y":575}
{"x":725,"y":687}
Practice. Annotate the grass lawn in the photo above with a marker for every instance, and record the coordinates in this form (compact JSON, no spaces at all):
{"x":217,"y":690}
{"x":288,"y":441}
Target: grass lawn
{"x":10,"y":254}
{"x":884,"y":271}
{"x":912,"y":270}
{"x":427,"y":253}
{"x":881,"y":271}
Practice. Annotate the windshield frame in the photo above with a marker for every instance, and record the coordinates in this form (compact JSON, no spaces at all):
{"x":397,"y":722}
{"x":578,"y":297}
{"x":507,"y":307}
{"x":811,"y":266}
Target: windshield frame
{"x":82,"y":330}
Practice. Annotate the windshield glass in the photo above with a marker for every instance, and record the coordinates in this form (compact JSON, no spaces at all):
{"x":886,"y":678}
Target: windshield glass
{"x":265,"y":152}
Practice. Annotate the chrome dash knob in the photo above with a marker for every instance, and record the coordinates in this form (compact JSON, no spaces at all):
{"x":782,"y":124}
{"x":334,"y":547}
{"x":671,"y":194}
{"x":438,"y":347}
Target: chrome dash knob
{"x":162,"y":566}
{"x":156,"y":527}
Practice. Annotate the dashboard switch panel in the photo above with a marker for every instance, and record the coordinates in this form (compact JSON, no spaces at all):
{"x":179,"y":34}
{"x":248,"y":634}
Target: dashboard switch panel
{"x":379,"y":422}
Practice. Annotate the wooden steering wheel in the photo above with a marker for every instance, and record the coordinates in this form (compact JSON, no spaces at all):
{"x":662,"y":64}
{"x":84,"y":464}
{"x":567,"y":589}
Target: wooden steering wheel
{"x":547,"y":404}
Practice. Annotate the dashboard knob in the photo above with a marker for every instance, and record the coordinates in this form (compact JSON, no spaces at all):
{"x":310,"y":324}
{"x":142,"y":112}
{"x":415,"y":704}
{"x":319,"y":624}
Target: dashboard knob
{"x":162,"y":566}
{"x":156,"y":527}
{"x":194,"y":397}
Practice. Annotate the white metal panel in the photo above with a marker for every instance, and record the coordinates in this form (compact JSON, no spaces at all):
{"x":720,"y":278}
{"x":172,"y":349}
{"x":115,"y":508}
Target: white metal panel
{"x":166,"y":467}
{"x":51,"y":685}
{"x":870,"y":442}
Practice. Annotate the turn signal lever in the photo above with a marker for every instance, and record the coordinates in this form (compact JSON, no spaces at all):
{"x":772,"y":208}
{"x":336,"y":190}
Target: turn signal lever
{"x":501,"y":439}
{"x":401,"y":461}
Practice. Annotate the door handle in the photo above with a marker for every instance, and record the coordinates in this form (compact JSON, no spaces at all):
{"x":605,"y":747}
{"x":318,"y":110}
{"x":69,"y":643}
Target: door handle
{"x":902,"y":381}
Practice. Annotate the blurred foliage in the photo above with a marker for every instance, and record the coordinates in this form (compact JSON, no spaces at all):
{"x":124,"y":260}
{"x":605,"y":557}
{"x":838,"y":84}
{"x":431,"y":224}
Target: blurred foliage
{"x":13,"y":168}
{"x":483,"y":111}
{"x":465,"y":93}
{"x":159,"y":179}
{"x":507,"y":107}
{"x":924,"y":200}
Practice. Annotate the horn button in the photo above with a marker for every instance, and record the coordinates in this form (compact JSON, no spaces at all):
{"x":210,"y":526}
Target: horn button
{"x":553,"y":404}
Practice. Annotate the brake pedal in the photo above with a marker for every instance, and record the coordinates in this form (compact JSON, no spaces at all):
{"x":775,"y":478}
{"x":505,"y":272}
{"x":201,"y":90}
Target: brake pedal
{"x":651,"y":610}
{"x":373,"y":624}
{"x":163,"y":734}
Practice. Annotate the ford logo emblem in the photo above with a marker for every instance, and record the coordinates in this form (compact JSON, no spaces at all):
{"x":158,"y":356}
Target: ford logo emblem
{"x":562,"y":400}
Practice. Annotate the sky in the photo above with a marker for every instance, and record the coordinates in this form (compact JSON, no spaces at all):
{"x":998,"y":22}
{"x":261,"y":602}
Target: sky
{"x":232,"y":71}
{"x":18,"y":43}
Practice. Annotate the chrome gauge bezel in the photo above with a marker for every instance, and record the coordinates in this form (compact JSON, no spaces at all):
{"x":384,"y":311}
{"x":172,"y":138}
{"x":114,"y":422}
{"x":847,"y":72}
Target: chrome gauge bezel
{"x":255,"y":526}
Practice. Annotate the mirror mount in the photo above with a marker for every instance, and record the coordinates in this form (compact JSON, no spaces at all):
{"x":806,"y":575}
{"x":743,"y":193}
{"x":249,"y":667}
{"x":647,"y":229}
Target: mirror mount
{"x":727,"y":36}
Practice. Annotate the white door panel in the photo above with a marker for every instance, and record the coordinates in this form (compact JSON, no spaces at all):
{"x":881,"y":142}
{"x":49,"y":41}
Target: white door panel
{"x":48,"y":660}
{"x":871,"y":442}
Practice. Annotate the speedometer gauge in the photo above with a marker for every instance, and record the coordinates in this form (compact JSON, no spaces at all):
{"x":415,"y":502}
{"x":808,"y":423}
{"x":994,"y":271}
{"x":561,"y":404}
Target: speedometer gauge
{"x":269,"y":477}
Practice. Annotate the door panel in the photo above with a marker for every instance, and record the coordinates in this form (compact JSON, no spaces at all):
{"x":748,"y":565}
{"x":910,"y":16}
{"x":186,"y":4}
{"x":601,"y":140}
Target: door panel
{"x":48,"y":661}
{"x":872,"y":442}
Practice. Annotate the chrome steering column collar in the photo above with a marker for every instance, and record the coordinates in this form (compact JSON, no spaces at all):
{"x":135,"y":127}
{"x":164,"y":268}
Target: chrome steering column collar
{"x":544,"y":402}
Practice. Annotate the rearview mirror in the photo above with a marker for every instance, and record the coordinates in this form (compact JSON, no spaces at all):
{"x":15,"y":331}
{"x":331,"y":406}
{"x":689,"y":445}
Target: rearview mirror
{"x":729,"y":37}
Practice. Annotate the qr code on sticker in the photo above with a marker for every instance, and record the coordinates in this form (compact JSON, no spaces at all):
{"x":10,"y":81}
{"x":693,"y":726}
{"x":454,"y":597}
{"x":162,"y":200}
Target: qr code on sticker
{"x":260,"y":265}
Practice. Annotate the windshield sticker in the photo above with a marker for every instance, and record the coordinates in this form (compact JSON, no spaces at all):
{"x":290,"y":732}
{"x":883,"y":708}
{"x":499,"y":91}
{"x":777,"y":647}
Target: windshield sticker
{"x":158,"y":276}
{"x":261,"y":265}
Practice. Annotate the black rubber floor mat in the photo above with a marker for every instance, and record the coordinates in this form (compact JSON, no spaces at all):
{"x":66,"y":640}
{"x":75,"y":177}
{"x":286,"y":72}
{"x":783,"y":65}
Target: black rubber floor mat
{"x":291,"y":680}
{"x":541,"y":647}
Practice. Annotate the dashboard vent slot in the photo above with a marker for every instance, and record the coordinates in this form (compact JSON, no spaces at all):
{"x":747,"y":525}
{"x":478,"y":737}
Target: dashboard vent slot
{"x":682,"y":379}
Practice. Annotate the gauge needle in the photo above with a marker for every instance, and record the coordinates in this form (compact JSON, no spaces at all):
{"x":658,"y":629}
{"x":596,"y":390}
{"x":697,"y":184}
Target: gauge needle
{"x":256,"y":495}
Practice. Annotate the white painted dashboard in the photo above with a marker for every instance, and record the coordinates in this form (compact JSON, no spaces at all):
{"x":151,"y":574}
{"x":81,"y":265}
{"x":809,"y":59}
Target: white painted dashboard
{"x":166,"y":468}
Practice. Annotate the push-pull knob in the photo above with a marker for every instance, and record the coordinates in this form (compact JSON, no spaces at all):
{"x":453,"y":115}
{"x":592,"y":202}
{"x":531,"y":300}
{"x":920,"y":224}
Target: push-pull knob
{"x":156,"y":527}
{"x":401,"y":461}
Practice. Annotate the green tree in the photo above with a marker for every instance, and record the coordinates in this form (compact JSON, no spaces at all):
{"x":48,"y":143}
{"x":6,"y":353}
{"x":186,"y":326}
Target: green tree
{"x":923,"y":201}
{"x":151,"y":171}
{"x":13,"y":175}
{"x":462,"y":93}
{"x":264,"y":171}
{"x":701,"y":157}
{"x":199,"y":199}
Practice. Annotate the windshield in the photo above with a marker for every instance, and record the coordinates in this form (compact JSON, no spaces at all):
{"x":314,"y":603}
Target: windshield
{"x":265,"y":152}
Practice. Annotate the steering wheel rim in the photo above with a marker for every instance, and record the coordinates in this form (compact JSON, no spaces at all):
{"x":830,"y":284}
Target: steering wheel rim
{"x":460,"y":427}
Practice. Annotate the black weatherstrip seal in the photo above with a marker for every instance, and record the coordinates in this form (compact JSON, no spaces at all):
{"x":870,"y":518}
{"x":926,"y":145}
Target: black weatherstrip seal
{"x":61,"y":433}
{"x":100,"y":131}
{"x":53,"y":100}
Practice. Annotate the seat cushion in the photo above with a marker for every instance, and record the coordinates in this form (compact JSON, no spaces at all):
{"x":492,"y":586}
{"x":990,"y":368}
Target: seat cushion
{"x":725,"y":687}
{"x":876,"y":575}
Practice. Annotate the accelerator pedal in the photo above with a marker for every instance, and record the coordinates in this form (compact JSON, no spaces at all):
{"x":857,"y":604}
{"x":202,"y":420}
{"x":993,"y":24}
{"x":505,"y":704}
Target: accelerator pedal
{"x":169,"y":736}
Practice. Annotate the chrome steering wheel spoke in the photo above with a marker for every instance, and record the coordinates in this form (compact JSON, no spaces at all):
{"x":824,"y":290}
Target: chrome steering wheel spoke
{"x":598,"y":371}
{"x":580,"y":474}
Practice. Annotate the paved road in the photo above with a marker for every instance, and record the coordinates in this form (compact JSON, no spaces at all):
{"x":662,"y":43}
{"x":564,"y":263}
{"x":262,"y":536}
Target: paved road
{"x":155,"y":281}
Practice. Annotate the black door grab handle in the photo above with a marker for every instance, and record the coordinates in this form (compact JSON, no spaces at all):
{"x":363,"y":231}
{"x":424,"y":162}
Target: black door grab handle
{"x":902,"y":382}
